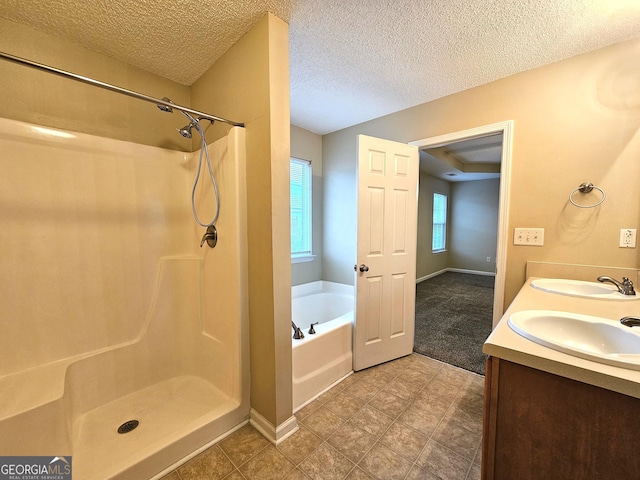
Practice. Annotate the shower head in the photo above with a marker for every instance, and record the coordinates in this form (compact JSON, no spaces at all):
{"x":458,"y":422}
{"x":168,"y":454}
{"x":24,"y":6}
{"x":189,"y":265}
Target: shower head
{"x":186,"y":130}
{"x":166,"y":108}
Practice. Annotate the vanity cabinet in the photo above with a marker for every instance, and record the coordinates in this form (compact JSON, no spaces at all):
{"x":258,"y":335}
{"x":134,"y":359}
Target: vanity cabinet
{"x":540,"y":426}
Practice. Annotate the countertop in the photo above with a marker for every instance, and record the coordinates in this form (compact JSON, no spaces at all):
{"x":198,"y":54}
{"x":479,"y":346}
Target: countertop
{"x":506,"y":344}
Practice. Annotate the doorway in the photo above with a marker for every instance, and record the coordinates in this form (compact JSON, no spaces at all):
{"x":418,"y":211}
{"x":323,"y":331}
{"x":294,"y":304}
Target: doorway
{"x":462,"y":294}
{"x":505,"y":129}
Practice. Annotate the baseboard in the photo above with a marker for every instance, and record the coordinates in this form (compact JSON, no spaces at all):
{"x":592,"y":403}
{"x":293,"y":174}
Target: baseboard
{"x":325,"y":390}
{"x":431,"y":275}
{"x":457,"y":270}
{"x":472,"y":272}
{"x":271,"y":433}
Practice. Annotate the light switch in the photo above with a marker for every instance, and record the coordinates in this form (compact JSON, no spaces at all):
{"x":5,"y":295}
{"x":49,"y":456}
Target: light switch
{"x":529,"y":236}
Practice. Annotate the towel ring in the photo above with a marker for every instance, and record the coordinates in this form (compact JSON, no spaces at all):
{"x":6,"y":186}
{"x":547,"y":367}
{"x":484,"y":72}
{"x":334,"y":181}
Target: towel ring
{"x":587,"y":187}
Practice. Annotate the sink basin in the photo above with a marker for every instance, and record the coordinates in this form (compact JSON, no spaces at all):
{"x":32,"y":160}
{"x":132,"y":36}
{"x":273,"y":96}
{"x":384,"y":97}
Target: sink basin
{"x":578,"y":288}
{"x":594,"y":338}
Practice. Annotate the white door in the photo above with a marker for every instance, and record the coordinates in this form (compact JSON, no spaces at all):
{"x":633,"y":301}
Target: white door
{"x":386,"y":251}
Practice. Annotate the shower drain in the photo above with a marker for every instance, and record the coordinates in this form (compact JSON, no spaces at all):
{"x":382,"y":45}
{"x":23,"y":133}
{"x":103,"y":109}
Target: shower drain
{"x":126,"y":427}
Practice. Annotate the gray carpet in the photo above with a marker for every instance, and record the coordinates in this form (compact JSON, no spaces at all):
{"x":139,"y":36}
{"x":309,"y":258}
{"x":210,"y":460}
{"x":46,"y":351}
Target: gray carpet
{"x":453,"y":318}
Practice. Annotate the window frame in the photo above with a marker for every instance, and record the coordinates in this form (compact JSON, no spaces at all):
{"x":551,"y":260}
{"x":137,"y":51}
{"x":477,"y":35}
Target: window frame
{"x":442,"y":225}
{"x":305,"y":209}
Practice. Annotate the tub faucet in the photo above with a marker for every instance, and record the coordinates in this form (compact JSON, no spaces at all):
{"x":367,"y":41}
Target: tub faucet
{"x":625,"y":287}
{"x":297,"y":333}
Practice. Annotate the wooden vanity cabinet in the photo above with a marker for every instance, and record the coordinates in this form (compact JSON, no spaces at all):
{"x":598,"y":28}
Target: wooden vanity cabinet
{"x":540,"y":426}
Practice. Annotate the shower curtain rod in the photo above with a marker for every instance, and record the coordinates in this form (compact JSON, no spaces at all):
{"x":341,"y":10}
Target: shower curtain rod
{"x":114,"y":88}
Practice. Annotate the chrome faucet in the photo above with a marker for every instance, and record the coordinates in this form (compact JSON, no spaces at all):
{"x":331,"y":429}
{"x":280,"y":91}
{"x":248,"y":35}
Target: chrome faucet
{"x":297,"y":333}
{"x":625,"y":287}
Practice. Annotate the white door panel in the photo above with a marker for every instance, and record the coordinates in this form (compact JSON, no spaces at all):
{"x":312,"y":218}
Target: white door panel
{"x":387,"y":231}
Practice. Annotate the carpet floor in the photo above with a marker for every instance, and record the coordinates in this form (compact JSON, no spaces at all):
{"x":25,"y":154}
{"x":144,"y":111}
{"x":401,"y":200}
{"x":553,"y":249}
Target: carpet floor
{"x":453,"y":318}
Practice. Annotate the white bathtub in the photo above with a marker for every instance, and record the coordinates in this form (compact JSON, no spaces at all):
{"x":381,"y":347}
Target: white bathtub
{"x":321,"y":359}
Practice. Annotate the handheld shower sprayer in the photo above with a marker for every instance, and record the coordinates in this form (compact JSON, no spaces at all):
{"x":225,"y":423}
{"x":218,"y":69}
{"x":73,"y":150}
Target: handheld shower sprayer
{"x":186,"y":130}
{"x":204,"y":150}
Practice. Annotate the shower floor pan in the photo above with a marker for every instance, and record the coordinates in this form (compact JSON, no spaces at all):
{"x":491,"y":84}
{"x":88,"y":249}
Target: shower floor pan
{"x":167,"y":411}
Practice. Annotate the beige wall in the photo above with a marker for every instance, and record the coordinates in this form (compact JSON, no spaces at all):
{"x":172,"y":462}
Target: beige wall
{"x":34,"y":96}
{"x":574,"y":121}
{"x":307,"y":145}
{"x":428,"y":262}
{"x":339,"y":156}
{"x":474,"y":225}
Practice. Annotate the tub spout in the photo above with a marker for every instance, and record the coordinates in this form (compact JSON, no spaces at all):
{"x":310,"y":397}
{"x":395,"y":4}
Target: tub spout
{"x":297,"y":333}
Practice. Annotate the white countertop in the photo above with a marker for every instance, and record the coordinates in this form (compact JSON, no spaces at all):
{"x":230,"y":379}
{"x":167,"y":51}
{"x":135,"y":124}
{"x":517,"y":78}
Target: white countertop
{"x":506,"y":344}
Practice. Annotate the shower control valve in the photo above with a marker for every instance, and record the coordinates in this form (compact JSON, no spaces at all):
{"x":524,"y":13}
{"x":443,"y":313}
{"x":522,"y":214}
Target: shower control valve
{"x":210,"y":236}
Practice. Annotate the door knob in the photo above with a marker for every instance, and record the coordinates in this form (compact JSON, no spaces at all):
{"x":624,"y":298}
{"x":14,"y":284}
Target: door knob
{"x":364,"y":268}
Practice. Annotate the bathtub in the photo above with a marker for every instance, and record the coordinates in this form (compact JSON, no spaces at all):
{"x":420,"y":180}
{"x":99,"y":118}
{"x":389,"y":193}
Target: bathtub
{"x":322,"y":359}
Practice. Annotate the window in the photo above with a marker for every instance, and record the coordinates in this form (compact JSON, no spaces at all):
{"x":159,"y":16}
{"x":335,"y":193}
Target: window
{"x":300,"y":190}
{"x":439,"y":242}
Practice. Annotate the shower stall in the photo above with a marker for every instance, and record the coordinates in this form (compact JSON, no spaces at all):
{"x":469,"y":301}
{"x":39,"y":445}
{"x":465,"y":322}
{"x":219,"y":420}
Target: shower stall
{"x":124,"y":343}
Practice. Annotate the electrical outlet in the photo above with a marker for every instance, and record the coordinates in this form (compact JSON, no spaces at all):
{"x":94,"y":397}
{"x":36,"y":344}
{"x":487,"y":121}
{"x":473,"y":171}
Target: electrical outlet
{"x":529,"y":236}
{"x":488,"y":259}
{"x":627,"y":238}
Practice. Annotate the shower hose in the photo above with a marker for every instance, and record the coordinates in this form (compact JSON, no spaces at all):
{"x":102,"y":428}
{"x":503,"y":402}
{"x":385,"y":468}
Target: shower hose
{"x":204,"y":151}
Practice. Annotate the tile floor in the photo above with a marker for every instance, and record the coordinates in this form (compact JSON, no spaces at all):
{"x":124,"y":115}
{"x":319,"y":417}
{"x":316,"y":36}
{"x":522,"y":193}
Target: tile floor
{"x":413,"y":418}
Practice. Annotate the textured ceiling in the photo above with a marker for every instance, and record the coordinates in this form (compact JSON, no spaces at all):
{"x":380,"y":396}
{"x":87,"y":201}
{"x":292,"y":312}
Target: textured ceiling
{"x":353,"y":60}
{"x":176,"y":39}
{"x":357,"y":60}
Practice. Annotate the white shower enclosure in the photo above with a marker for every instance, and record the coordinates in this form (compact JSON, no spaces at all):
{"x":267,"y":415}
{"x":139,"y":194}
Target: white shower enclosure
{"x":111,"y":312}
